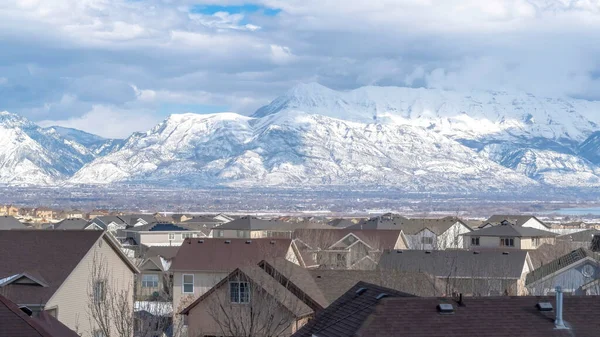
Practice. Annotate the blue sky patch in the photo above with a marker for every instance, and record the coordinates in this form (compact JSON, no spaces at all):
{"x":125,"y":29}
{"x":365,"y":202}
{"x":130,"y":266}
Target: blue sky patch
{"x":241,"y":9}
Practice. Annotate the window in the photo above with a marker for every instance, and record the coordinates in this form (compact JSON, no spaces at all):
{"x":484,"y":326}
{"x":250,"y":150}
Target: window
{"x":456,"y":241}
{"x":185,"y":235}
{"x":219,"y":234}
{"x":98,"y":333}
{"x":188,"y":283}
{"x":242,"y":234}
{"x":99,"y":291}
{"x":239,"y":292}
{"x":536,"y":242}
{"x":507,"y":242}
{"x":171,"y":236}
{"x":475,"y":241}
{"x":427,"y":240}
{"x":150,"y":281}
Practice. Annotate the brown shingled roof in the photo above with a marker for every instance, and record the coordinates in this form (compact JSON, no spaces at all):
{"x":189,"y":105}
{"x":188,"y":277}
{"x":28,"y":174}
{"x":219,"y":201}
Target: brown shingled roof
{"x":51,"y":255}
{"x":324,"y":238}
{"x":15,"y":323}
{"x":212,"y":254}
{"x":482,"y":317}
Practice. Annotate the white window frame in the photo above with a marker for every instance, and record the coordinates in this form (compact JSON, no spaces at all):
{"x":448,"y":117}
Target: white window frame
{"x":183,"y":284}
{"x":146,"y":282}
{"x":171,"y":236}
{"x":427,"y":238}
{"x":185,"y":235}
{"x":504,"y":242}
{"x":238,"y":299}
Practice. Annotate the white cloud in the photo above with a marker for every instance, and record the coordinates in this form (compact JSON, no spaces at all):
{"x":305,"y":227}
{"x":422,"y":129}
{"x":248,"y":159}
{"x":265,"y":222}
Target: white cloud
{"x":108,"y":121}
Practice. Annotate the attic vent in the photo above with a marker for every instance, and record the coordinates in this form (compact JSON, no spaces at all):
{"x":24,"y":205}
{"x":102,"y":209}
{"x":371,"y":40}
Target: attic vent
{"x":272,"y":242}
{"x":227,"y":242}
{"x":248,"y":242}
{"x":504,"y":253}
{"x":544,"y":306}
{"x":382,"y":295}
{"x":361,"y":291}
{"x":26,"y":310}
{"x":445,"y":308}
{"x":200,"y":241}
{"x":476,"y":252}
{"x":427,"y":252}
{"x":398,"y":251}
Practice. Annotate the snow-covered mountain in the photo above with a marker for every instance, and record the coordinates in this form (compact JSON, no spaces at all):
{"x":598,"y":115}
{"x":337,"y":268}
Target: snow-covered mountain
{"x":295,"y":149}
{"x":412,"y":139}
{"x":33,"y":155}
{"x":98,"y":146}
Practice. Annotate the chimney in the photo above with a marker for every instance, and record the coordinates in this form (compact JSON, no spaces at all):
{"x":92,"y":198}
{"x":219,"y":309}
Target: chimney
{"x":559,"y":323}
{"x":595,"y":245}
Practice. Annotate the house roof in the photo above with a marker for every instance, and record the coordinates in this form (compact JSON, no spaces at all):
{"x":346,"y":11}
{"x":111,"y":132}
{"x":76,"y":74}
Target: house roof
{"x":345,"y":316}
{"x":132,"y":219}
{"x":409,"y":226}
{"x":585,"y":236}
{"x":160,"y":227}
{"x":341,"y":223}
{"x":10,"y":222}
{"x":456,"y":263}
{"x":560,"y":263}
{"x":253,"y":223}
{"x":483,"y":317}
{"x":167,"y":252}
{"x":16,"y":323}
{"x":511,"y":231}
{"x":203,"y":219}
{"x":212,"y":254}
{"x":257,"y":276}
{"x":546,"y":252}
{"x":48,"y":256}
{"x":299,"y":277}
{"x":70,"y":224}
{"x":334,"y":283}
{"x":517,"y":220}
{"x":324,"y":238}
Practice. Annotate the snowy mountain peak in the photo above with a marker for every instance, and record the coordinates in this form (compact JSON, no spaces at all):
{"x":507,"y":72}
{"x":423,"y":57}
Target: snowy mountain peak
{"x":11,"y":120}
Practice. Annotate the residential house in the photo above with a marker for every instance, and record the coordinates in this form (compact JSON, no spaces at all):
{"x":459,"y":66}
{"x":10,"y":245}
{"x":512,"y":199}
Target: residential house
{"x":111,"y":223}
{"x":74,"y":214}
{"x":342,"y":223}
{"x":9,"y":210}
{"x":27,"y":212}
{"x":426,"y":234}
{"x":155,"y":281}
{"x":224,"y":218}
{"x":378,"y":314}
{"x":473,"y":273}
{"x":346,"y":316}
{"x":162,"y":234}
{"x":19,"y":322}
{"x":252,"y":227}
{"x":64,"y":273}
{"x":135,"y":220}
{"x":529,"y":221}
{"x":201,"y":263}
{"x":344,"y":248}
{"x":582,"y":238}
{"x":96,"y":213}
{"x":75,"y":223}
{"x":273,"y":298}
{"x":181,"y":217}
{"x":9,"y":222}
{"x":334,"y":283}
{"x":204,"y":220}
{"x":576,"y":272}
{"x":44,"y":213}
{"x":508,"y":236}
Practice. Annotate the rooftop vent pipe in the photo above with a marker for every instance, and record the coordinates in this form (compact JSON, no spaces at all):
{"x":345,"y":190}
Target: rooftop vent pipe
{"x":559,"y":323}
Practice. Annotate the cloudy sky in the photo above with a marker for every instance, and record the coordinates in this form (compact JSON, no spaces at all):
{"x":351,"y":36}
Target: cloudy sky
{"x":112,"y":67}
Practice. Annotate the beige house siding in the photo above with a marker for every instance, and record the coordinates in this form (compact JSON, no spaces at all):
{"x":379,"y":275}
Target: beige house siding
{"x":161,"y":238}
{"x":72,"y":298}
{"x":491,"y":242}
{"x":201,"y":323}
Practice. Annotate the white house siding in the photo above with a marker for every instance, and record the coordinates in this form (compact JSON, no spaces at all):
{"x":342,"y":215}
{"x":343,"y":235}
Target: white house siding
{"x":533,"y":223}
{"x":451,"y":238}
{"x":416,"y":241}
{"x":162,"y":238}
{"x":72,"y":298}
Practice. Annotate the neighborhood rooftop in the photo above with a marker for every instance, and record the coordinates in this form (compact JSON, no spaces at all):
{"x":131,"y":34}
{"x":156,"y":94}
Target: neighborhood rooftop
{"x":560,"y":263}
{"x":509,"y":230}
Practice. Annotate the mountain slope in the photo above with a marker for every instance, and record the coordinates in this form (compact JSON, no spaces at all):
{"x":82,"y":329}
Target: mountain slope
{"x":32,"y":155}
{"x":294,"y":150}
{"x":98,"y":146}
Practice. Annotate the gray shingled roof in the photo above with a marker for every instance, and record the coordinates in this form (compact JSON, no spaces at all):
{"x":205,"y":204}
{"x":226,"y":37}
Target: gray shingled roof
{"x":10,"y":222}
{"x":70,"y":224}
{"x":510,"y":231}
{"x":456,"y":263}
{"x":252,"y":223}
{"x":409,"y":226}
{"x":560,"y":263}
{"x":518,"y":220}
{"x":582,"y":236}
{"x":346,"y":315}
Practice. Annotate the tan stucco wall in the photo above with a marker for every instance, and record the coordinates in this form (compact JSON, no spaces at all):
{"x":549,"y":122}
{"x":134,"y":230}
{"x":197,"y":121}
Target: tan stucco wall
{"x":72,"y":298}
{"x":162,"y":238}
